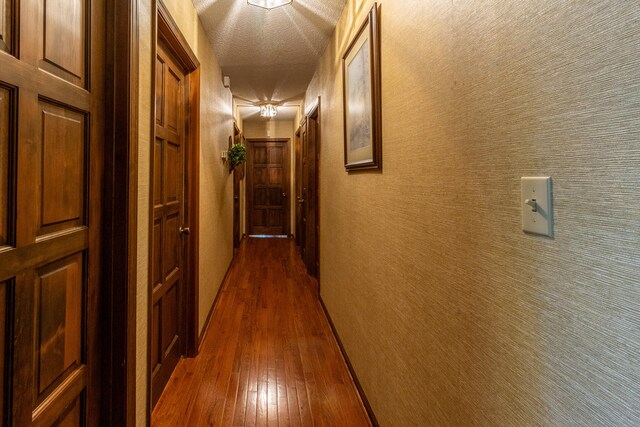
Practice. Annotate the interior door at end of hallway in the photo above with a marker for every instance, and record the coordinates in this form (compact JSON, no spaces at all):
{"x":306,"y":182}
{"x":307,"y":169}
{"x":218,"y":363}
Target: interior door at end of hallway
{"x":268,"y":199}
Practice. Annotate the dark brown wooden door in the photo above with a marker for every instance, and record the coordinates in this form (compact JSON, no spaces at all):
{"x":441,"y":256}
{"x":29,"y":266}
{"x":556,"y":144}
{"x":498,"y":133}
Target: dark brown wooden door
{"x":310,"y":195}
{"x":267,"y":187}
{"x":51,"y":160}
{"x":304,"y":182}
{"x":167,"y":233}
{"x":298,"y":186}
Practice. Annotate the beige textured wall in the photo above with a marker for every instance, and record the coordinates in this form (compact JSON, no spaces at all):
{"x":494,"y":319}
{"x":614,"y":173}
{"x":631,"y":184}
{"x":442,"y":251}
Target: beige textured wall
{"x":449,"y":313}
{"x":272,"y":129}
{"x":216,"y":185}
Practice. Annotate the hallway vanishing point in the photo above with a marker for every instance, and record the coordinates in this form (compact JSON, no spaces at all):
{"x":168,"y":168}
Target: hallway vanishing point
{"x":268,"y":356}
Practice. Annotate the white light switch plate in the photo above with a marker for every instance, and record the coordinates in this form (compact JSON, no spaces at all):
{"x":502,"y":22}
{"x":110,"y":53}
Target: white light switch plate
{"x":537,"y":210}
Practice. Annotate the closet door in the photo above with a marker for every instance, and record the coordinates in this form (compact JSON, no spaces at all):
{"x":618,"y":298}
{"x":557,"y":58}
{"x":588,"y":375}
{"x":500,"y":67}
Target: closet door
{"x":51,"y":151}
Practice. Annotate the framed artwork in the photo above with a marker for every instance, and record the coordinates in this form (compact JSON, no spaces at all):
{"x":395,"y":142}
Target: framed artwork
{"x":362,"y":97}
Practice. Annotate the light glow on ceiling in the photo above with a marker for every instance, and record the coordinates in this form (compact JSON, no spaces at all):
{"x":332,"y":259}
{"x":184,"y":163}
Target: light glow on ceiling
{"x":269,"y":4}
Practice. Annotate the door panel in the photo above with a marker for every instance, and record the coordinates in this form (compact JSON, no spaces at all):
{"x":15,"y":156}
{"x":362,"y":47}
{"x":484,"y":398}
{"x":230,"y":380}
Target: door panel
{"x":64,"y":34}
{"x":267,"y":187}
{"x":62,"y":145}
{"x":5,"y":25}
{"x":5,"y":154}
{"x":51,"y":154}
{"x":59,"y":320}
{"x":167,"y":244}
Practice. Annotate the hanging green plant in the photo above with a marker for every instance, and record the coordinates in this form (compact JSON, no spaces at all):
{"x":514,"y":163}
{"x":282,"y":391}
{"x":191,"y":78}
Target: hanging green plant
{"x":237,"y":155}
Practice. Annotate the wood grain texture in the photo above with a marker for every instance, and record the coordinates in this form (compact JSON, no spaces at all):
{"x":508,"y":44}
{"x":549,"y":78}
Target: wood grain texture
{"x":269,"y":356}
{"x":3,"y":340}
{"x":63,"y":44}
{"x":4,"y":14}
{"x":474,"y":322}
{"x":268,"y":182}
{"x":168,"y":247}
{"x":63,"y":168}
{"x":55,"y":199}
{"x":5,"y":156}
{"x":59,"y":320}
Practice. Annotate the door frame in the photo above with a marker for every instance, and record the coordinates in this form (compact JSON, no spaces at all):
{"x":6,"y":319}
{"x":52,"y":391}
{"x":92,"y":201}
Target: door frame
{"x":286,"y":174}
{"x":119,"y":216}
{"x":166,"y":28}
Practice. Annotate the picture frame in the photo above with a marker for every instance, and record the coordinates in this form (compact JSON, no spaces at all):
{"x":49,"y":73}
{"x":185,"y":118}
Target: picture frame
{"x":361,"y":93}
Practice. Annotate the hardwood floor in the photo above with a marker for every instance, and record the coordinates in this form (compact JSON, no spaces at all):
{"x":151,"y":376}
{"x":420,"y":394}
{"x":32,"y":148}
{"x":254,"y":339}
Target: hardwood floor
{"x":268,"y":357}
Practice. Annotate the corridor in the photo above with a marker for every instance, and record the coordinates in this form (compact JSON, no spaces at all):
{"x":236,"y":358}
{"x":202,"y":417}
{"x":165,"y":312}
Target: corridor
{"x":268,"y":356}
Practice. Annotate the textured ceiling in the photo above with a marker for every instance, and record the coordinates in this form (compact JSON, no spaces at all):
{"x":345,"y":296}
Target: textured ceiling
{"x":270,"y":55}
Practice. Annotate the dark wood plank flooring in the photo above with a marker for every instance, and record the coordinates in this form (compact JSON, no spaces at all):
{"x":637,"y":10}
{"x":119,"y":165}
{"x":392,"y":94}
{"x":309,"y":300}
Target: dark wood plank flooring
{"x":269,"y":356}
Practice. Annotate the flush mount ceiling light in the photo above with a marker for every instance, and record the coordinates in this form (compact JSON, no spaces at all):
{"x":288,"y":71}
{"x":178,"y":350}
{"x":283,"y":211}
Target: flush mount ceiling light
{"x":269,"y":4}
{"x":268,"y":110}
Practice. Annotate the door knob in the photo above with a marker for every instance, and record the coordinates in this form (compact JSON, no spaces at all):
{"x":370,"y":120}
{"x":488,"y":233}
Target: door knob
{"x":300,"y":200}
{"x":284,"y":194}
{"x":184,"y":231}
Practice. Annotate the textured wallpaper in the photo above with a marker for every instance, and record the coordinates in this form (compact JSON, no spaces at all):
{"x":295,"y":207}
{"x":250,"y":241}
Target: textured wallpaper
{"x":450,"y":314}
{"x":216,"y":185}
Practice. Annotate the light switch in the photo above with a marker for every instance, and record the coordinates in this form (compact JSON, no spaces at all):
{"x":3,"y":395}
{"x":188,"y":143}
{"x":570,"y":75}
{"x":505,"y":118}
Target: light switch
{"x":537,"y":210}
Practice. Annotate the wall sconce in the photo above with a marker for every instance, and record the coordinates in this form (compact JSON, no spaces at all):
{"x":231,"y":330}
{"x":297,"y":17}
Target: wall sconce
{"x":269,"y":4}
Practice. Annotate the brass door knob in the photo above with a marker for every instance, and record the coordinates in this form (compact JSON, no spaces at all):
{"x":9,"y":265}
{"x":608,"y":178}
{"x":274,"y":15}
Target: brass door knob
{"x":184,"y":231}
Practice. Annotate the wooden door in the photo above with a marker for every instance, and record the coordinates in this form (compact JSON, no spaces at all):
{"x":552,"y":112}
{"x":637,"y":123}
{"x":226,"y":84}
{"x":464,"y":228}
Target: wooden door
{"x":236,"y":208}
{"x":298,"y":187}
{"x":304,"y":182}
{"x":267,"y":187}
{"x":237,"y":177}
{"x":310,"y":179}
{"x":167,"y":234}
{"x":51,"y":162}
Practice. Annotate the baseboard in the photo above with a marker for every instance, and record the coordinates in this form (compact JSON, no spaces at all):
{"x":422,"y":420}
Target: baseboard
{"x":354,"y":377}
{"x":215,"y":303}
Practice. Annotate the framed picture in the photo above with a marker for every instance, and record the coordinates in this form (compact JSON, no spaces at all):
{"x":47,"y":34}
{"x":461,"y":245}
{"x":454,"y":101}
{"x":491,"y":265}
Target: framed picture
{"x":362,"y":97}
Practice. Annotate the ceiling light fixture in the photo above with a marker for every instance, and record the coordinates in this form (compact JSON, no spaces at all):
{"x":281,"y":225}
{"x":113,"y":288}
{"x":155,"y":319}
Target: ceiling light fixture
{"x":268,"y":110}
{"x":269,"y":4}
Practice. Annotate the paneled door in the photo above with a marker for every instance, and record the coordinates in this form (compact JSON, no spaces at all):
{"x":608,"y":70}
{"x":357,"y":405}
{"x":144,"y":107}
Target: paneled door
{"x":298,"y":186}
{"x":51,"y":161}
{"x":311,"y":171}
{"x":167,"y":234}
{"x":267,"y":187}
